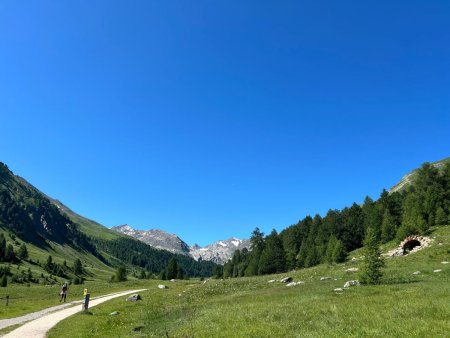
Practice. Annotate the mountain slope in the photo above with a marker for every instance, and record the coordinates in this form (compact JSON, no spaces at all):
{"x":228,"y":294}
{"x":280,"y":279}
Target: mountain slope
{"x":51,"y":228}
{"x":156,"y":238}
{"x":409,"y":178}
{"x":218,"y":252}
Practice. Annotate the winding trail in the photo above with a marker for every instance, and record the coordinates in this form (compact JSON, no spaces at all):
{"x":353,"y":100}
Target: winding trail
{"x":42,"y":321}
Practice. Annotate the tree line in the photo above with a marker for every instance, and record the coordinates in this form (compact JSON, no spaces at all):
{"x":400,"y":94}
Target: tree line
{"x":314,"y":240}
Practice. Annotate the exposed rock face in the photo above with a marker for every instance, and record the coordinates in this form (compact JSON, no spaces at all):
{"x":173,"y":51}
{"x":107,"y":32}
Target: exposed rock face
{"x":156,"y":238}
{"x":220,"y":251}
{"x":410,"y":244}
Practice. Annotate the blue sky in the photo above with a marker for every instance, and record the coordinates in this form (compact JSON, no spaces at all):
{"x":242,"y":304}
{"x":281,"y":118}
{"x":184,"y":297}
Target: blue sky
{"x":209,"y":118}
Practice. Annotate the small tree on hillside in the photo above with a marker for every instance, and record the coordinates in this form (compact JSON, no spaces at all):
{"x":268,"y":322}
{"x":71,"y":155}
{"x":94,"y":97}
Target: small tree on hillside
{"x":77,"y":267}
{"x":120,"y":275}
{"x":339,"y":254}
{"x":441,"y":217}
{"x":4,"y":281}
{"x":23,"y":252}
{"x":373,"y":262}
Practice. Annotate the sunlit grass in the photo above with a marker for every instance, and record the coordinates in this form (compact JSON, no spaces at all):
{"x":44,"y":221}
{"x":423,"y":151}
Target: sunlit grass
{"x":406,"y":305}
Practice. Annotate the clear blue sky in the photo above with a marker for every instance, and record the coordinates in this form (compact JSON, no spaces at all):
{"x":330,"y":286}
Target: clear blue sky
{"x":209,"y":118}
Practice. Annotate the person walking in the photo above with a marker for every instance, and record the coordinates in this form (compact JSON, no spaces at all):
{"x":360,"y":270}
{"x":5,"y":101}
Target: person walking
{"x":63,"y":293}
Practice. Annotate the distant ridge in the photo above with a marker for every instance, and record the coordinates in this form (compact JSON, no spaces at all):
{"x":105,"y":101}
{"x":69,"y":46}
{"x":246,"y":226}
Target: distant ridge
{"x":217,"y":252}
{"x":409,"y":178}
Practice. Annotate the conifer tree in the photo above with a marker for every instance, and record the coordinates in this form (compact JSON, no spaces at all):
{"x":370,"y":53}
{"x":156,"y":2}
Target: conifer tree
{"x":339,"y":254}
{"x":9,"y":254}
{"x":387,"y":227}
{"x":412,"y":220}
{"x":257,"y":246}
{"x":2,"y":247}
{"x":23,"y":252}
{"x":77,"y":267}
{"x":373,"y":262}
{"x":328,"y":257}
{"x":172,"y":269}
{"x":441,"y":217}
{"x":4,"y":281}
{"x":272,"y":257}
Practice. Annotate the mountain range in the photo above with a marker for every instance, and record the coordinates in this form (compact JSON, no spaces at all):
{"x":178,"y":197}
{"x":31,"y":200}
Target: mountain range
{"x":218,"y":252}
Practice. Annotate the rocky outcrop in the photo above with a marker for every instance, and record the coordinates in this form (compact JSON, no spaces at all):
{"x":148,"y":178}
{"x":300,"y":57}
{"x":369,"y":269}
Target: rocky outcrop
{"x":219,"y":252}
{"x":158,"y":239}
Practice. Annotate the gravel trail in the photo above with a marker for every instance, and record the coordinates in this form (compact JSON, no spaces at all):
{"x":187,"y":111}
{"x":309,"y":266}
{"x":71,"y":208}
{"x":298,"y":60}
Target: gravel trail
{"x":42,"y":321}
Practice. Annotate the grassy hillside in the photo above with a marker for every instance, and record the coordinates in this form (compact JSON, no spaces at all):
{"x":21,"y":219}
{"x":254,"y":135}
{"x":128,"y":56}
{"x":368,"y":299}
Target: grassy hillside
{"x":404,"y":305}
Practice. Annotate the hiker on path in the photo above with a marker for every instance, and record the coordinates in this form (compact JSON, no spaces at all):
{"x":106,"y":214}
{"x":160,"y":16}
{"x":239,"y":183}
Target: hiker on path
{"x":63,"y":293}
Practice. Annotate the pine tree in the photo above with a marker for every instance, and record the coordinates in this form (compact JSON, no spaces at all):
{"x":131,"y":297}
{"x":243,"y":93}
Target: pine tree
{"x":77,"y":267}
{"x":2,"y":247}
{"x":172,"y":269}
{"x":387,"y":227}
{"x":412,"y":220}
{"x":121,"y":274}
{"x":9,"y":254}
{"x":49,"y":264}
{"x":328,"y":257}
{"x":257,"y":246}
{"x":180,"y":272}
{"x":441,"y":217}
{"x":302,"y":253}
{"x":4,"y":281}
{"x":23,"y":252}
{"x":339,"y":254}
{"x":373,"y":262}
{"x":272,"y":257}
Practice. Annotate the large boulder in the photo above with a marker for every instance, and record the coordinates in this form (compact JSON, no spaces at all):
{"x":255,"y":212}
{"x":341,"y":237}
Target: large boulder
{"x":351,"y":283}
{"x":134,"y":298}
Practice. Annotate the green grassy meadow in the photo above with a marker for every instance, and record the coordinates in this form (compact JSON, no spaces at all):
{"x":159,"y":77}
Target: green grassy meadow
{"x":404,"y":305}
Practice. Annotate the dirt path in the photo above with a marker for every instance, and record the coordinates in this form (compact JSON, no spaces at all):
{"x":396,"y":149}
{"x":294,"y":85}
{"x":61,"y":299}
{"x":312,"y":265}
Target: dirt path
{"x":44,"y":320}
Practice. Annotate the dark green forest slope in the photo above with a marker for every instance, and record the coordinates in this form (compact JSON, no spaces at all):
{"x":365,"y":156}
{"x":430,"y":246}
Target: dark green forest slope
{"x":420,"y":201}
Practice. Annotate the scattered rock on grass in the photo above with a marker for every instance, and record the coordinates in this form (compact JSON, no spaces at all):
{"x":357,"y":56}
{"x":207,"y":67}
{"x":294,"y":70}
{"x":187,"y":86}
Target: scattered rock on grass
{"x":338,"y":290}
{"x":271,"y":281}
{"x":115,"y":313}
{"x":325,"y":278}
{"x":295,"y":283}
{"x":437,"y":270}
{"x":444,"y":262}
{"x":134,"y":298}
{"x":352,"y":270}
{"x":286,"y":280}
{"x":161,"y":286}
{"x":351,"y":283}
{"x":173,"y":280}
{"x":417,"y":273}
